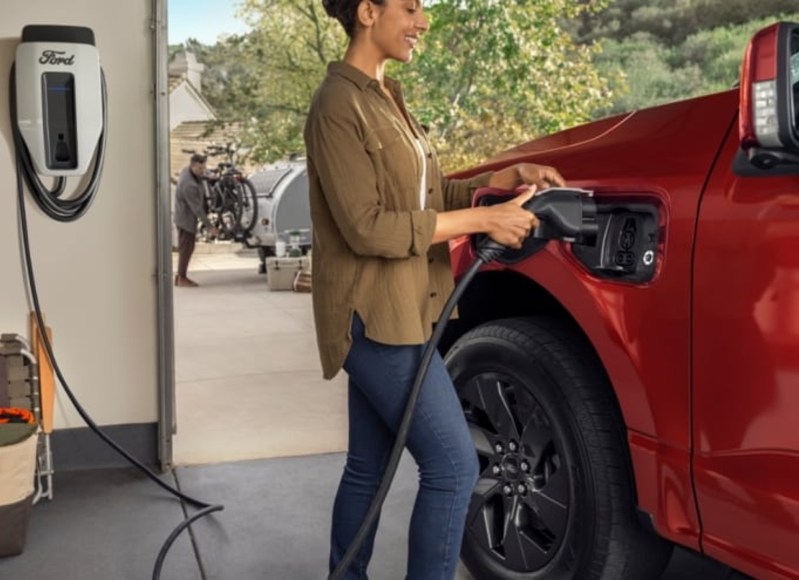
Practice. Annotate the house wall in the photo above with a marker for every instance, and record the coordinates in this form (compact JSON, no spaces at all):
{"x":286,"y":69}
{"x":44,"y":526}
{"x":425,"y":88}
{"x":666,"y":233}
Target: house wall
{"x":96,"y":276}
{"x":184,"y":106}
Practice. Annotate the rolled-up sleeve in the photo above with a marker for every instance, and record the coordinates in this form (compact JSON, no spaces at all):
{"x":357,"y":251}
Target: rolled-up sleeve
{"x":336,"y":149}
{"x":458,"y":193}
{"x":424,"y":226}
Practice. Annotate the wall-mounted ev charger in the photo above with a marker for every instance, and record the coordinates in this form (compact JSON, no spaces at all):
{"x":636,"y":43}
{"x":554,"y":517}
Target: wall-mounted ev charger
{"x":59,"y":97}
{"x":58,"y":115}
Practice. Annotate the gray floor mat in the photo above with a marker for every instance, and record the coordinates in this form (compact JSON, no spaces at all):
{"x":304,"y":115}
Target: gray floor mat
{"x":102,"y":525}
{"x":276,"y":521}
{"x":110,"y":524}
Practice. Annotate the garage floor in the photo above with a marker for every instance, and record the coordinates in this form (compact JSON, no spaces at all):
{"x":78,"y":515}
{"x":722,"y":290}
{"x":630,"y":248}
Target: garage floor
{"x":258,"y":431}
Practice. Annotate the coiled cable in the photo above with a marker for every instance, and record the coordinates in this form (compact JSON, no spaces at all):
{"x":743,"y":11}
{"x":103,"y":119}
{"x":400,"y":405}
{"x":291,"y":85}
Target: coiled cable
{"x":50,"y":200}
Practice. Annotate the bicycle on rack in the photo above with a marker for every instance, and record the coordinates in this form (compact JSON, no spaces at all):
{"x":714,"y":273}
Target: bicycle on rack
{"x":230,"y":201}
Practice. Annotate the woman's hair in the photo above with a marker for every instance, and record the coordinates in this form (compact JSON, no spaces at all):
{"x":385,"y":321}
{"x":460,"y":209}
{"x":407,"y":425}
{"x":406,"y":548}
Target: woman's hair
{"x":345,"y":11}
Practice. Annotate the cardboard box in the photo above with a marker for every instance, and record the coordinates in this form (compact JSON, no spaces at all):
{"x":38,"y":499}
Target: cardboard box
{"x":280,"y":272}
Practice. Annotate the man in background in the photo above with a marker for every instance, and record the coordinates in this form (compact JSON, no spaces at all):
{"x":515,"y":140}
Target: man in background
{"x":189,"y":211}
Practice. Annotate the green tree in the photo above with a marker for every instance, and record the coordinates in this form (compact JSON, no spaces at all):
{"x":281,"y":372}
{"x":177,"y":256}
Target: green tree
{"x":262,"y":80}
{"x":644,"y":71}
{"x":489,"y":74}
{"x":493,"y":73}
{"x":672,"y":21}
{"x":639,"y":73}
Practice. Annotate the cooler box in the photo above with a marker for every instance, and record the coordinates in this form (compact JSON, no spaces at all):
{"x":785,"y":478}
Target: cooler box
{"x":17,"y":470}
{"x":281,"y":272}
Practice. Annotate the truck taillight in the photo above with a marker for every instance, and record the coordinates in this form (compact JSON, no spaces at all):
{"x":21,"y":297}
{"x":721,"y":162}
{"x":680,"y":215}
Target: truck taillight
{"x":764,"y":113}
{"x":758,"y":121}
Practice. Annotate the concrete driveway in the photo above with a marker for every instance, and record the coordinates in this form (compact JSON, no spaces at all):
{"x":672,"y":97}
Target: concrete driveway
{"x":248,"y":380}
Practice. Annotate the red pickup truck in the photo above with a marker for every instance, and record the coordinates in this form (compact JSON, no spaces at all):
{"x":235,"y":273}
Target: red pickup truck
{"x":644,"y":391}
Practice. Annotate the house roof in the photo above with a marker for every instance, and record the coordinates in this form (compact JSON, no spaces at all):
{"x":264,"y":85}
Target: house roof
{"x":201,"y":130}
{"x":176,"y":82}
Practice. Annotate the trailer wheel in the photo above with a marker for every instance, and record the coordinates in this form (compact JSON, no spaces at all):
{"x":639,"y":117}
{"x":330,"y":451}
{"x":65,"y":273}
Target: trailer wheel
{"x":248,"y":201}
{"x":555,"y":496}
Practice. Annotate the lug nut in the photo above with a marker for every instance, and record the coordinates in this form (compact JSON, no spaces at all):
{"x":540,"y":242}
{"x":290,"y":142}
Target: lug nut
{"x":496,"y":470}
{"x":508,"y":490}
{"x":525,"y":466}
{"x":499,"y":448}
{"x":512,"y":446}
{"x":521,"y":489}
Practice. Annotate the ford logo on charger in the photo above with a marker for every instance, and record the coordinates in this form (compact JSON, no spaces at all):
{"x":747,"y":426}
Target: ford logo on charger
{"x":56,"y":57}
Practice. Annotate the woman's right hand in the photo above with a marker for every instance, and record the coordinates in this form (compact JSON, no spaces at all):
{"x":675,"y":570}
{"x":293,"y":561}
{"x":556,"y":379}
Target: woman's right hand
{"x":508,"y":223}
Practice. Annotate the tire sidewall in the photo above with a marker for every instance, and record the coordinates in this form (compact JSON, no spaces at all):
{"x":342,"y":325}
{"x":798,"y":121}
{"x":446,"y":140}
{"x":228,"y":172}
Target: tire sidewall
{"x":547,"y":382}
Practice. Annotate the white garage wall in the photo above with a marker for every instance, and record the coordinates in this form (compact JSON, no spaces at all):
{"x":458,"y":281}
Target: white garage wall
{"x":96,"y":276}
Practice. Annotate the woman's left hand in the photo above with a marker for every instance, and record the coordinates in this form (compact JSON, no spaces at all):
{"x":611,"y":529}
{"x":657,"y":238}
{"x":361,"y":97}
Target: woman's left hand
{"x":542,"y":176}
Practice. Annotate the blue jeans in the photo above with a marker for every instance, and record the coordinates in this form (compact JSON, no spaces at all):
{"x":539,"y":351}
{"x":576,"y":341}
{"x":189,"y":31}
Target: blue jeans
{"x":380,"y":379}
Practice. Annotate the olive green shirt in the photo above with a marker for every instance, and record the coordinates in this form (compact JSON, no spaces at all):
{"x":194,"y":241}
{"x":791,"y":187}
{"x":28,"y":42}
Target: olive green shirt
{"x":372,"y":247}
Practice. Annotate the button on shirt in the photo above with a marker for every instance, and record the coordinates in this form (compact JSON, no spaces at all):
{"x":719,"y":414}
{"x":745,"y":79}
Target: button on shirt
{"x":372,"y":233}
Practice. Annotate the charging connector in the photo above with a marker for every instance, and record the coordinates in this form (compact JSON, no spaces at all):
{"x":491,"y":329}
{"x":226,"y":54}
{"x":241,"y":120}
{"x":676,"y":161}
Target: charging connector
{"x":565,"y":214}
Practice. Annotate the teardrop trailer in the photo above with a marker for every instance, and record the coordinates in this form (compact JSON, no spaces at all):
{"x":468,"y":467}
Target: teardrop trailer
{"x":284,"y":211}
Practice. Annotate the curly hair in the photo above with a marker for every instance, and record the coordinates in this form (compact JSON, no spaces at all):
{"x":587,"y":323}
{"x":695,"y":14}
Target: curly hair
{"x":345,"y":11}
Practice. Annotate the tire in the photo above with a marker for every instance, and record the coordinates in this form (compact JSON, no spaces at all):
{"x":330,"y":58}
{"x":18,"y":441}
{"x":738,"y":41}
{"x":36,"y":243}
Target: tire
{"x":228,"y":221}
{"x":248,"y":202}
{"x":225,"y":206}
{"x":555,"y":496}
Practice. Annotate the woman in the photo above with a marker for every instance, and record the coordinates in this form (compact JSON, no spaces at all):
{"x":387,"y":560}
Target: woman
{"x":382,"y":213}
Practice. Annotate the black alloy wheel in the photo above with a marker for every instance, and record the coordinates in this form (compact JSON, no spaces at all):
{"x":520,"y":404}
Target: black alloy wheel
{"x":520,"y":506}
{"x":555,"y":496}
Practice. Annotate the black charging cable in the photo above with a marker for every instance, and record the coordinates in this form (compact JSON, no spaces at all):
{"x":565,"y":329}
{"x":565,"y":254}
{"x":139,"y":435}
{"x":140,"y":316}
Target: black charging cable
{"x":69,"y":211}
{"x":565,"y":214}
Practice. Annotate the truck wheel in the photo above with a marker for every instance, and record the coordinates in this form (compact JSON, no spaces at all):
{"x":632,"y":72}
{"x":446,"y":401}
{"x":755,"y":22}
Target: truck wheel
{"x":555,"y":496}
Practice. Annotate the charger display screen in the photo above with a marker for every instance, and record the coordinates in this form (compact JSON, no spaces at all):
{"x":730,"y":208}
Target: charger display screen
{"x":58,"y":96}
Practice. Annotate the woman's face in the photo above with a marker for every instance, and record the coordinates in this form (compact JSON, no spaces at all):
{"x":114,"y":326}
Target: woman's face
{"x":397,"y":28}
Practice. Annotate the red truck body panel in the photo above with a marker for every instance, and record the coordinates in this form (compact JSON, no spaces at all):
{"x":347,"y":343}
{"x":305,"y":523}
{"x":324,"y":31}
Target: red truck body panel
{"x":746,"y":369}
{"x":687,"y":351}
